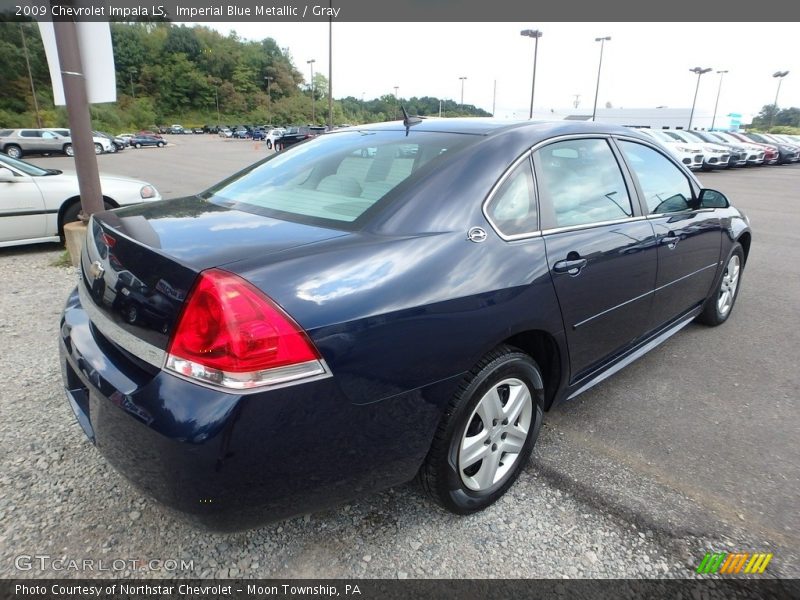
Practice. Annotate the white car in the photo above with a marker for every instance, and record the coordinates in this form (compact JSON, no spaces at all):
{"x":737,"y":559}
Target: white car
{"x":37,"y":202}
{"x":225,"y":133}
{"x":716,"y":155}
{"x":755,"y":154}
{"x":690,"y":155}
{"x":272,"y":135}
{"x":101,"y":144}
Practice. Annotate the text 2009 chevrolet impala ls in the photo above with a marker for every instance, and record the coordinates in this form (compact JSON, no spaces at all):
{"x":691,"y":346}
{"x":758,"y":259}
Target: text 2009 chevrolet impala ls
{"x":377,"y":303}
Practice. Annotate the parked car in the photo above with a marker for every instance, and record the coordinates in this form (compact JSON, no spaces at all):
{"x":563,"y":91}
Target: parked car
{"x":272,"y":135}
{"x":295,"y":135}
{"x":102,"y":143}
{"x":342,"y":324}
{"x":17,"y":143}
{"x":118,"y":144}
{"x":788,"y":151}
{"x":771,"y":153}
{"x":38,"y":202}
{"x":127,"y":137}
{"x":738,"y":152}
{"x":197,"y":130}
{"x":224,"y":132}
{"x":690,"y":155}
{"x":150,"y":133}
{"x":715,"y":156}
{"x":141,"y":141}
{"x":258,"y":134}
{"x":755,"y":152}
{"x":177,"y":129}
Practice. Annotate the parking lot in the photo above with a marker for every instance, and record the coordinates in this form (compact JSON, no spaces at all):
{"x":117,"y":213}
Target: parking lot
{"x":692,"y":448}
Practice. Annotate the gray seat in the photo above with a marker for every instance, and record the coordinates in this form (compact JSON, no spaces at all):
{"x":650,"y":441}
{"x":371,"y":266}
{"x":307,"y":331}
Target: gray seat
{"x":341,"y":185}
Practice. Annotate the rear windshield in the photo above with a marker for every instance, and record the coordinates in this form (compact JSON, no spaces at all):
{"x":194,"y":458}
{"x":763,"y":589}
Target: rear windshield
{"x":335,"y":179}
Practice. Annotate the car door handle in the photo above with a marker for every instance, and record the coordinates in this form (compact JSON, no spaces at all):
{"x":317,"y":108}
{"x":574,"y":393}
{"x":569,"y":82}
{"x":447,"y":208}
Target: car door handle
{"x":670,"y":240}
{"x":573,"y":267}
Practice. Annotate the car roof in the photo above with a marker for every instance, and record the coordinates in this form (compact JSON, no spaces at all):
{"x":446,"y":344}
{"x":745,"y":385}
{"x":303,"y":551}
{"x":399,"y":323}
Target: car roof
{"x":490,"y":126}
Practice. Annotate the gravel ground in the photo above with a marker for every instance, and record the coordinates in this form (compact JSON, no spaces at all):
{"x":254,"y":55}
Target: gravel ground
{"x":60,"y":499}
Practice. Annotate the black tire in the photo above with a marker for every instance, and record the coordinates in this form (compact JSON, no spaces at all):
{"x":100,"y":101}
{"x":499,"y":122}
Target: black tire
{"x":68,"y":150}
{"x":269,"y":144}
{"x":114,"y":149}
{"x":13,"y":151}
{"x":441,"y":475}
{"x":160,"y":144}
{"x":131,"y":314}
{"x":137,"y":145}
{"x":98,"y":148}
{"x":713,"y":314}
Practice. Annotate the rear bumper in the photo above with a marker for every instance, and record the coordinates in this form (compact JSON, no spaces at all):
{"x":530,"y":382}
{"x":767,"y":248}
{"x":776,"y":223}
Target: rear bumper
{"x":236,"y":461}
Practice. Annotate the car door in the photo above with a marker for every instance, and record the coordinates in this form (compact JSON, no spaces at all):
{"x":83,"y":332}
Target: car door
{"x":689,"y":238}
{"x":52,"y":142}
{"x":599,"y":248}
{"x":22,"y":211}
{"x":31,"y":140}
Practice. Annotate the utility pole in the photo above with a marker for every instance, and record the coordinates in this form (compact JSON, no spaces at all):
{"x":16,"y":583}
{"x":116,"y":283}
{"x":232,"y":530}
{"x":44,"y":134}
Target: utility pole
{"x":699,"y":72}
{"x":716,"y":104}
{"x":30,"y":77}
{"x":602,"y":41}
{"x":313,"y":110}
{"x":268,"y":79}
{"x":80,"y":122}
{"x":463,"y":79}
{"x":330,"y":66}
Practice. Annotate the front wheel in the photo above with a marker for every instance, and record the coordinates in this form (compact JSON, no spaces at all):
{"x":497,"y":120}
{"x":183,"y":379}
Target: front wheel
{"x":719,"y":305}
{"x":486,"y":434}
{"x":160,"y":144}
{"x":98,"y":149}
{"x":14,"y":151}
{"x":269,"y":144}
{"x":137,"y":145}
{"x":69,"y":150}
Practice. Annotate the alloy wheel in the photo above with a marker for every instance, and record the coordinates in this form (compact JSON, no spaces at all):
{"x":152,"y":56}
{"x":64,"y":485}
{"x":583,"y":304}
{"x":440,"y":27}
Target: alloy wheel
{"x":495,"y":434}
{"x":727,"y":288}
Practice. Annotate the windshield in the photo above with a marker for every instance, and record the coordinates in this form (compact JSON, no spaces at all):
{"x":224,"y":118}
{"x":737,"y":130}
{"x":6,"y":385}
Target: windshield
{"x":21,"y":165}
{"x":675,"y":136}
{"x":334,"y":179}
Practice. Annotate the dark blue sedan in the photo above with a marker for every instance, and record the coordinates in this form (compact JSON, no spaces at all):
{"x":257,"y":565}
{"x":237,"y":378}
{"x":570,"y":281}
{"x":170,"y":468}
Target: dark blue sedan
{"x":384,"y":302}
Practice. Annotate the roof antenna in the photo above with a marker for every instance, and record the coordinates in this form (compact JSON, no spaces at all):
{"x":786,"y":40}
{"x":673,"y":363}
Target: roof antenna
{"x":408,"y":121}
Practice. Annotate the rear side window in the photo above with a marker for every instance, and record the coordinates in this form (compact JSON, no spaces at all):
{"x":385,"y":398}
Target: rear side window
{"x":337,"y":177}
{"x":580,"y":183}
{"x":30,"y":133}
{"x":666,"y":189}
{"x":512,"y":209}
{"x":5,"y":132}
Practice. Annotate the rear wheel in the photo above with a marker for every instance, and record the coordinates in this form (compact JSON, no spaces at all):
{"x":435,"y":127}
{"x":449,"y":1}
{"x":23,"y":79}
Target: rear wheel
{"x":269,"y":144}
{"x":160,"y":144}
{"x":14,"y":151}
{"x":113,"y":149}
{"x":487,"y":433}
{"x":69,"y":150}
{"x":137,"y":145}
{"x":98,"y":148}
{"x":71,"y":213}
{"x":719,"y":305}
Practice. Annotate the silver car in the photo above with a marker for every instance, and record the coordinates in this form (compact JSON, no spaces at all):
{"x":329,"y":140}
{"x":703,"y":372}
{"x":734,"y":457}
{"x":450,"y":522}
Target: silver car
{"x":18,"y":142}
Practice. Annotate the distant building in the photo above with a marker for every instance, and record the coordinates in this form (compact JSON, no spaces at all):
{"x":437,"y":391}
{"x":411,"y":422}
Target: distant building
{"x":653,"y":118}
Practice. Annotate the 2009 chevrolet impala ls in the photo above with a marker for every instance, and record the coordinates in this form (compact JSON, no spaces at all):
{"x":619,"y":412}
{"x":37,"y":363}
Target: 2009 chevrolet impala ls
{"x":397,"y":300}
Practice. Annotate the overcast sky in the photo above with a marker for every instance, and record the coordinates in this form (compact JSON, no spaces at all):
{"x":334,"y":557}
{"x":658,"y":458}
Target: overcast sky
{"x":644,"y":64}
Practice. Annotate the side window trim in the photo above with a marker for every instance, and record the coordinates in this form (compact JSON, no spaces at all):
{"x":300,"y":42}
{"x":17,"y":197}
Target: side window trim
{"x":634,"y":178}
{"x":525,"y":156}
{"x":547,"y":219}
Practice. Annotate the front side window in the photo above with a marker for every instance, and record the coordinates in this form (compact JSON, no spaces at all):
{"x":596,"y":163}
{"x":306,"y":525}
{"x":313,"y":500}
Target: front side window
{"x":666,"y":189}
{"x":581,"y":183}
{"x":334,"y":178}
{"x":512,"y":208}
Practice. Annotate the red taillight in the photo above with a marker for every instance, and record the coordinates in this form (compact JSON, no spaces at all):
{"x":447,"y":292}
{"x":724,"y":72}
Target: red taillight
{"x":231,"y":334}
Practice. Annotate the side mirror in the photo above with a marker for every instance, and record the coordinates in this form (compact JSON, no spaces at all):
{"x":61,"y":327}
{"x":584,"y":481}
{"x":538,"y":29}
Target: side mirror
{"x":713,"y":199}
{"x":7,"y":176}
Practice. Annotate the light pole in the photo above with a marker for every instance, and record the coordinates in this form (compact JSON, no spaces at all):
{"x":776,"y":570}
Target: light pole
{"x":396,"y":100}
{"x":313,"y":111}
{"x":30,"y":76}
{"x":535,"y":34}
{"x":779,"y":75}
{"x":463,"y":79}
{"x":602,"y":41}
{"x":216,"y":100}
{"x":700,"y":72}
{"x":716,"y":104}
{"x":494,"y":96}
{"x":132,"y":72}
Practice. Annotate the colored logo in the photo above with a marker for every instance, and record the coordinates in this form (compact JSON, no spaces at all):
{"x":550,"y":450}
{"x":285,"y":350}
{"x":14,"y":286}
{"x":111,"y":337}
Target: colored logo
{"x":732,"y":563}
